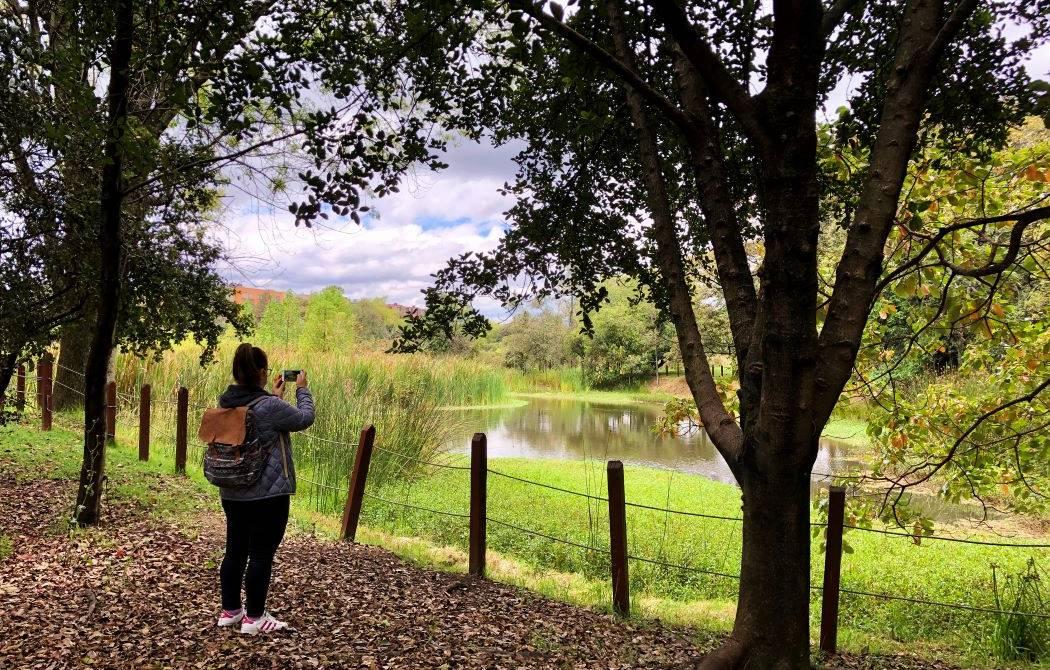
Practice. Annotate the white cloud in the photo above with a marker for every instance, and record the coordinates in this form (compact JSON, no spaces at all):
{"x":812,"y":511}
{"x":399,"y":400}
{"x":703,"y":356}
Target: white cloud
{"x":412,"y":235}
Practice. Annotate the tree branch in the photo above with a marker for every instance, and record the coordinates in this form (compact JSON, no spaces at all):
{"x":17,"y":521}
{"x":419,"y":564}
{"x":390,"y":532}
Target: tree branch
{"x":1023,"y":219}
{"x":721,"y":83}
{"x":951,"y":27}
{"x":923,"y":37}
{"x":716,"y":204}
{"x":617,"y":67}
{"x":935,"y":467}
{"x":720,"y":426}
{"x":992,"y":267}
{"x":833,"y":15}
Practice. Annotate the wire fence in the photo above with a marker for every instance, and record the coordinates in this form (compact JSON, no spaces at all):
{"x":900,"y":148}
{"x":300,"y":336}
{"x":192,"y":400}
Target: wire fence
{"x":863,"y":529}
{"x":727,"y":575}
{"x":396,"y":454}
{"x":536,"y":533}
{"x":716,"y":573}
{"x":666,"y":564}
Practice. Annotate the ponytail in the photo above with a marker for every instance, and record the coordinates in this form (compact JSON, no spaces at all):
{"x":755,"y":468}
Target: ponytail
{"x":248,"y":361}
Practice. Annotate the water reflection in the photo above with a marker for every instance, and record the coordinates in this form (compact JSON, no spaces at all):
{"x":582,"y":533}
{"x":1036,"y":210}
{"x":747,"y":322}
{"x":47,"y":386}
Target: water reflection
{"x":577,"y":430}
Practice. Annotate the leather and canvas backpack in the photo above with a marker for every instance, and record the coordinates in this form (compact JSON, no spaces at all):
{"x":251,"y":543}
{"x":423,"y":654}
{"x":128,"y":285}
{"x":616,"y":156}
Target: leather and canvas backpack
{"x":235,"y":457}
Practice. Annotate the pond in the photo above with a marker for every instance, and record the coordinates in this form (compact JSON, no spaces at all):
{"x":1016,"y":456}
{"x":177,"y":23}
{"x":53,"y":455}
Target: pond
{"x":582,"y":430}
{"x":546,"y":428}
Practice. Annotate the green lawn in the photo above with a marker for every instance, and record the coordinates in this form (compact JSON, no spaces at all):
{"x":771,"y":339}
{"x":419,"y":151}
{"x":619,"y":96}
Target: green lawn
{"x":934,"y":570}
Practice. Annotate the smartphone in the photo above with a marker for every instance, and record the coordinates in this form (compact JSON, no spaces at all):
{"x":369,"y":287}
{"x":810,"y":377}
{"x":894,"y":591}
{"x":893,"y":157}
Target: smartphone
{"x":290,"y":375}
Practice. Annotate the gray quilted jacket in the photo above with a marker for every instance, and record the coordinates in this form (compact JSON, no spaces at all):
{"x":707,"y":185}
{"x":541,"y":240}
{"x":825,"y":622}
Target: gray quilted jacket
{"x":274,"y":420}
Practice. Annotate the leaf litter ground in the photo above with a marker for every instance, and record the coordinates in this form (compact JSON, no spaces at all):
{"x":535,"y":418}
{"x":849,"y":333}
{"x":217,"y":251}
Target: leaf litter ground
{"x":141,"y":592}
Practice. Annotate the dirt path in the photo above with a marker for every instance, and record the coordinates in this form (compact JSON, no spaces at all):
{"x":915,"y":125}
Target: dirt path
{"x":141,"y":593}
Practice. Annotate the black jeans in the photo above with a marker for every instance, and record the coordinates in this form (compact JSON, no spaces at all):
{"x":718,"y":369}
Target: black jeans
{"x":254,"y":530}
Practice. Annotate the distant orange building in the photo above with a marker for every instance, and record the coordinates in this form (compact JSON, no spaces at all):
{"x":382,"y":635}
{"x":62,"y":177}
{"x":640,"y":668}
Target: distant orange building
{"x":258,"y":297}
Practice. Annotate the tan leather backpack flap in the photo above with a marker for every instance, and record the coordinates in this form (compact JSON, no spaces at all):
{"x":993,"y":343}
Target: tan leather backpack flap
{"x":224,"y":426}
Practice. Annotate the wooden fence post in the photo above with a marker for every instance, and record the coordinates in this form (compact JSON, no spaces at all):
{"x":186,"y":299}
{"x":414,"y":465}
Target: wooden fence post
{"x":144,"y":419}
{"x":20,"y":397}
{"x":44,"y":388}
{"x":355,"y":495}
{"x":180,"y":429}
{"x":618,"y":538}
{"x":111,"y":412}
{"x":479,"y":469}
{"x":829,"y":604}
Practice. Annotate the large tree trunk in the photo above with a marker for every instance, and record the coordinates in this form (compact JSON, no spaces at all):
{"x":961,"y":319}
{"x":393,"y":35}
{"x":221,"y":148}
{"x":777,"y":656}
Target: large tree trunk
{"x":772,"y":620}
{"x":7,"y":370}
{"x":89,"y":493}
{"x":772,"y":459}
{"x":72,"y":360}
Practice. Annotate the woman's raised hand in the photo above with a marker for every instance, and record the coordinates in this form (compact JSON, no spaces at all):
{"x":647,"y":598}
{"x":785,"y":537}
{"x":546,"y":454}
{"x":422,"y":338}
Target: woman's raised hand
{"x":278,"y":386}
{"x":300,"y":380}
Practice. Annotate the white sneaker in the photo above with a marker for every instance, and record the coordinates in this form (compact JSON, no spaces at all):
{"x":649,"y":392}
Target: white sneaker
{"x":264,"y":624}
{"x":230,"y":618}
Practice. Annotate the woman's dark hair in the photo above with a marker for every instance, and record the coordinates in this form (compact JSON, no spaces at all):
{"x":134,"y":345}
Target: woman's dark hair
{"x":248,"y":361}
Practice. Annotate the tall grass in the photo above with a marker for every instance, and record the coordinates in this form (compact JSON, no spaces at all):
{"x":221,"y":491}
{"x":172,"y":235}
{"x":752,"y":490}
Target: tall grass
{"x":1014,"y":637}
{"x":560,"y":380}
{"x":400,"y":395}
{"x":442,"y":380}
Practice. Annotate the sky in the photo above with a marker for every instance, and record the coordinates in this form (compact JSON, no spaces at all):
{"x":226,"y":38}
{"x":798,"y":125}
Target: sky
{"x":410,"y":235}
{"x":405,"y":238}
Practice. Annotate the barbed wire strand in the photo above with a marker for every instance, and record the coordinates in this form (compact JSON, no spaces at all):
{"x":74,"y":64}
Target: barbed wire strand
{"x":417,"y":507}
{"x":686,"y":568}
{"x":548,"y":537}
{"x":324,"y":486}
{"x":684,"y":513}
{"x":70,"y":388}
{"x":604,"y":499}
{"x":447,"y":466}
{"x":547,"y":486}
{"x":944,"y":538}
{"x":923,"y":601}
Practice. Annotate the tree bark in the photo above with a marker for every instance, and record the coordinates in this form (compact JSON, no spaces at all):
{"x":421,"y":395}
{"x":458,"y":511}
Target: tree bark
{"x":89,"y":493}
{"x":771,"y":629}
{"x":72,"y":359}
{"x":7,"y":370}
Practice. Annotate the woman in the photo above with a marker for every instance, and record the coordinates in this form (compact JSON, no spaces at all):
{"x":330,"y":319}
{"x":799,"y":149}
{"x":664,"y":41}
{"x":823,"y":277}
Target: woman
{"x":256,"y":516}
